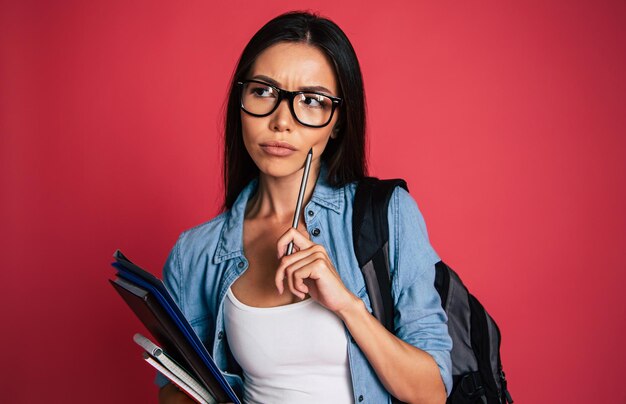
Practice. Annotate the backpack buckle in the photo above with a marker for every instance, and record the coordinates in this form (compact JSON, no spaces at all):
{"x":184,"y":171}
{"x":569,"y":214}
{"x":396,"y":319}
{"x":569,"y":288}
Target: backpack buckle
{"x":471,"y":385}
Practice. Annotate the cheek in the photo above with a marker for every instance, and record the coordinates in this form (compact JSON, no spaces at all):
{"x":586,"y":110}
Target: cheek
{"x":248,"y":128}
{"x":320,"y":140}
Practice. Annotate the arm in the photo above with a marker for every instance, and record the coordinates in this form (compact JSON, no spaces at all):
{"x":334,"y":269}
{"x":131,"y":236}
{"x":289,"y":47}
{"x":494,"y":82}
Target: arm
{"x":414,"y":363}
{"x":409,"y":373}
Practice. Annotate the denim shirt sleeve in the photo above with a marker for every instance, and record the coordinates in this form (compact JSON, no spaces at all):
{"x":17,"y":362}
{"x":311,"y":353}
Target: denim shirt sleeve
{"x":419,"y":318}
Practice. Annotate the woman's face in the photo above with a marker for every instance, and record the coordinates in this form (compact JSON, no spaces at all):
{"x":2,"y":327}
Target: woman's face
{"x":278,"y":143}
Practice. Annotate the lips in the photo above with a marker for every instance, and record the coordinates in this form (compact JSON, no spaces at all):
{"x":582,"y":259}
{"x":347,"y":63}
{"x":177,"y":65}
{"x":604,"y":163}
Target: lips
{"x":276,"y":148}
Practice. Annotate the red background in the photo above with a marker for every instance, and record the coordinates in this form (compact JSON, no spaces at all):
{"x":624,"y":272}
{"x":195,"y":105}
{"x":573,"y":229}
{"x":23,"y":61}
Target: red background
{"x":507,"y":120}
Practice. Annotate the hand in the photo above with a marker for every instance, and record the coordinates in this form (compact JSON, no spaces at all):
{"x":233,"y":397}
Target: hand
{"x":170,"y":394}
{"x":309,"y":270}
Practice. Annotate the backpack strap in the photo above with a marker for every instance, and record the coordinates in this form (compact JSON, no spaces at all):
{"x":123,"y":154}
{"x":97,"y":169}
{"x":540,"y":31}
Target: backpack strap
{"x":370,"y":233}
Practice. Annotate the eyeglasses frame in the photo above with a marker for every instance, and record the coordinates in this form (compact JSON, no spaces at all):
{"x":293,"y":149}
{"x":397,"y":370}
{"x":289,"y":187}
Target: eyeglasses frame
{"x":289,"y":96}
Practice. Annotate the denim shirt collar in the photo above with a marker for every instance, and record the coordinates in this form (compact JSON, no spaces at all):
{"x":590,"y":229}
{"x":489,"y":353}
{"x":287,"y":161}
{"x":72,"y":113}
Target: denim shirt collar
{"x":230,"y":244}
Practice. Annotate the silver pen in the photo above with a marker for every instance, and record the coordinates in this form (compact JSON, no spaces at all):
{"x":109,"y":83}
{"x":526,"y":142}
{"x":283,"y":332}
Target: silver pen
{"x":305,"y":177}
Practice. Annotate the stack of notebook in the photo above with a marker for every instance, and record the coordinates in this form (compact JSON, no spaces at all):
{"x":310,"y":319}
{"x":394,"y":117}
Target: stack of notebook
{"x":181,"y":356}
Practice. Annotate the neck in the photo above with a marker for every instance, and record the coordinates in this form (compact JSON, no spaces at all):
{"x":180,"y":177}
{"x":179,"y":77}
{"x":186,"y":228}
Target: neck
{"x":276,"y":197}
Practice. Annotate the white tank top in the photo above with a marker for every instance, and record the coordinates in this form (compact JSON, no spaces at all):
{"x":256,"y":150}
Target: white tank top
{"x":296,"y":353}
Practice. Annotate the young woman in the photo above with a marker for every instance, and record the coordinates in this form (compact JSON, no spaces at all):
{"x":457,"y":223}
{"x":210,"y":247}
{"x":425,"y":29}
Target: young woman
{"x":297,"y":328}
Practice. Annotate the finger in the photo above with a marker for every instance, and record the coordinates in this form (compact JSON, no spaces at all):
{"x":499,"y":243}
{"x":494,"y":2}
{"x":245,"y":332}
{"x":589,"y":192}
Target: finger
{"x":298,"y":280}
{"x":309,"y":273}
{"x":295,"y":279}
{"x":303,"y":269}
{"x":290,"y":272}
{"x":279,"y":278}
{"x":289,"y":260}
{"x":300,"y":241}
{"x":285,"y":262}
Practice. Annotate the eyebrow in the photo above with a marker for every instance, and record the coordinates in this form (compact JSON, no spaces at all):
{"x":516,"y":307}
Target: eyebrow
{"x":315,"y":89}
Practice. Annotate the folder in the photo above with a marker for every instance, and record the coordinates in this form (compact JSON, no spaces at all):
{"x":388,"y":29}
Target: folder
{"x":147,"y":296}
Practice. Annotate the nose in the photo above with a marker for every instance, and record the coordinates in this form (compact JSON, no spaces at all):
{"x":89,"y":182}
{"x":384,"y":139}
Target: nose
{"x":281,"y":119}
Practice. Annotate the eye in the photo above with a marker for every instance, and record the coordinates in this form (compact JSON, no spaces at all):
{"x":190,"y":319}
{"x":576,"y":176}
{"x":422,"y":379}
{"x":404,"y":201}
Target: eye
{"x":261,"y":90}
{"x":312,"y":100}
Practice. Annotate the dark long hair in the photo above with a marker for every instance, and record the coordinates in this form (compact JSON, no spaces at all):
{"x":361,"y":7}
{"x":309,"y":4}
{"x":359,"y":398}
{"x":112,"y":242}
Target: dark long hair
{"x":344,"y":155}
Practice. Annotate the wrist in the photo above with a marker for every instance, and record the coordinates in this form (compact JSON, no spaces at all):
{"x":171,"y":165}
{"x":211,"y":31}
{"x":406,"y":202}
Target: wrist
{"x":354,"y":307}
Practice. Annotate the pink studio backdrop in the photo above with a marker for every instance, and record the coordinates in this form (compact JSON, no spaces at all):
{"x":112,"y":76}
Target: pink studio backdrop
{"x":507,"y":120}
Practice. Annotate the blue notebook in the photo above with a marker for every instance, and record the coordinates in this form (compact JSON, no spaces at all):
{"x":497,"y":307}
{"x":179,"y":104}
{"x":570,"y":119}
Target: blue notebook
{"x":161,"y":315}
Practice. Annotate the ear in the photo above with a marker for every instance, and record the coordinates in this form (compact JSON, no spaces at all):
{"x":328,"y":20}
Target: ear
{"x":335,"y":132}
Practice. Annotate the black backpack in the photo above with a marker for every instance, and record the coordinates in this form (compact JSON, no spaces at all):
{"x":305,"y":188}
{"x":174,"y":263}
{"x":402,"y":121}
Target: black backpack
{"x":476,"y":368}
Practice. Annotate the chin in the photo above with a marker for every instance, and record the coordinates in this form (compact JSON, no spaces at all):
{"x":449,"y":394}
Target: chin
{"x":278,"y":170}
{"x":279,"y":167}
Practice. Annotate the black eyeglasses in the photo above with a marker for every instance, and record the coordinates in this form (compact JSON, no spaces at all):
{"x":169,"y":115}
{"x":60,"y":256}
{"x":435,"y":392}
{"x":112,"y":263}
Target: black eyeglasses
{"x":309,"y":108}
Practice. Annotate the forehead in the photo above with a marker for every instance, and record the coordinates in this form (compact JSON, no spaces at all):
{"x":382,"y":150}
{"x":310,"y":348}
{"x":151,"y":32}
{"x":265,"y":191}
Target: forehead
{"x":295,"y":65}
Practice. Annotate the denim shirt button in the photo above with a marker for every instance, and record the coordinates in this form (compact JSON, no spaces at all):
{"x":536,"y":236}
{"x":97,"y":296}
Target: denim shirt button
{"x":220,"y":335}
{"x":316,"y":232}
{"x":360,"y":398}
{"x":311,"y":213}
{"x":241,"y":264}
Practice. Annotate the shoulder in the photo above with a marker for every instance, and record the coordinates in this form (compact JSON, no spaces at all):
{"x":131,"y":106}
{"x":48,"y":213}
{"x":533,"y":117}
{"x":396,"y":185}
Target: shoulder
{"x":189,"y":268}
{"x":197,"y":244}
{"x":400,"y":196}
{"x":402,"y":206}
{"x":400,"y":203}
{"x":198,"y":236}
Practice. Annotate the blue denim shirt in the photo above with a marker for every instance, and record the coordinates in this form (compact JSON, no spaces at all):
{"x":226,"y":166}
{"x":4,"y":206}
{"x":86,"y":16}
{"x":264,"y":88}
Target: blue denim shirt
{"x":207,"y":259}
